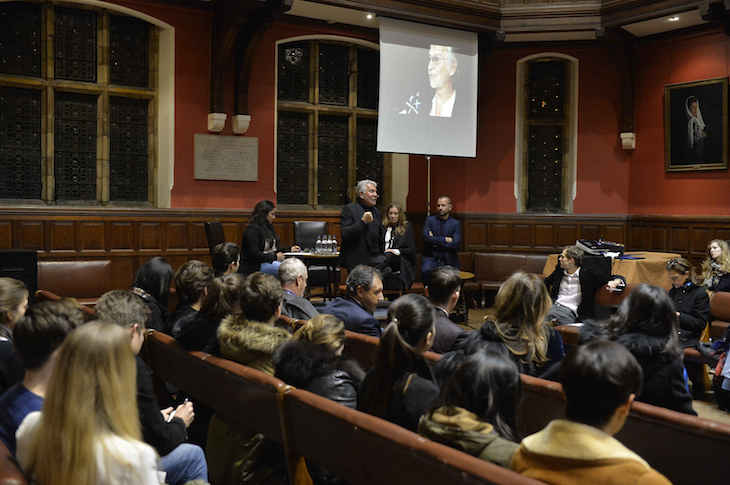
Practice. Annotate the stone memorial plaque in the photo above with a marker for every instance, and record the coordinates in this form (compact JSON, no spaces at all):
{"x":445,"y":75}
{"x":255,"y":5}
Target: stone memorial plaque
{"x":220,"y":157}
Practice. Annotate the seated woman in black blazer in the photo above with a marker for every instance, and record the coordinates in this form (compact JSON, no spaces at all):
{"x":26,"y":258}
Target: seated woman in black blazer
{"x":260,"y":249}
{"x":716,"y":268}
{"x":396,"y":242}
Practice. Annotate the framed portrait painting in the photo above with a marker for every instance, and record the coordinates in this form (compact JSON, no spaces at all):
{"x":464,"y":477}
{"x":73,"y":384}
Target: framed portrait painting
{"x":695,"y":125}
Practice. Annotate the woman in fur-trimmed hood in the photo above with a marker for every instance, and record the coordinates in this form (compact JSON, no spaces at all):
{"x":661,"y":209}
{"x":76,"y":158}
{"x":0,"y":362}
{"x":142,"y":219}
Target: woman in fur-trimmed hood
{"x":249,"y":338}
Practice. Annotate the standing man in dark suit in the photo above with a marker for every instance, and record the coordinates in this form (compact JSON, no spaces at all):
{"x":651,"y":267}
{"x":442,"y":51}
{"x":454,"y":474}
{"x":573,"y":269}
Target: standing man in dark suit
{"x":441,"y":239}
{"x":360,"y":225}
{"x":364,"y":291}
{"x":444,"y":292}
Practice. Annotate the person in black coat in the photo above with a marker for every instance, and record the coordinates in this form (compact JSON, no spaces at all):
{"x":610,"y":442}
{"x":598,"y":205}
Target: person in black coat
{"x":360,"y":226}
{"x":646,"y":324}
{"x":690,"y":301}
{"x":401,"y":386}
{"x":260,"y":248}
{"x":152,"y":284}
{"x":398,"y":247}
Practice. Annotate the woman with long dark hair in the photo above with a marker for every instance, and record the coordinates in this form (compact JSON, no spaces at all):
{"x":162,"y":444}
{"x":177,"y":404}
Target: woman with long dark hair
{"x":152,"y":284}
{"x":400,"y":387}
{"x":477,"y":409}
{"x":260,"y":249}
{"x":398,"y":246}
{"x":646,"y":324}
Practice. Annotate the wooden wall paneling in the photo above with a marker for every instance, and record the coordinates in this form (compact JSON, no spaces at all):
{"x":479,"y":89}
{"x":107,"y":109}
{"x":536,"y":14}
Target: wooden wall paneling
{"x":197,"y":238}
{"x":6,"y":235}
{"x":678,"y":240}
{"x":701,"y":235}
{"x":231,"y":232}
{"x":640,"y":237}
{"x":658,"y":239}
{"x":61,"y":236}
{"x":475,"y":234}
{"x":150,"y":236}
{"x":544,"y":236}
{"x":590,"y":231}
{"x":122,"y":236}
{"x":30,"y":235}
{"x":91,"y":237}
{"x":123,"y":271}
{"x":499,"y":235}
{"x":722,"y":234}
{"x":522,"y":236}
{"x":177,"y":236}
{"x":567,"y":234}
{"x":614,"y":233}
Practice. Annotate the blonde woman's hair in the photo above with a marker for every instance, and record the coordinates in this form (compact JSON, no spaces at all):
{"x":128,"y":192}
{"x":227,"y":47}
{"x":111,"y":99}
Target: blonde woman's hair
{"x":723,"y":261}
{"x":12,"y":294}
{"x":323,"y":330}
{"x":400,"y":229}
{"x":91,"y":393}
{"x":521,"y":305}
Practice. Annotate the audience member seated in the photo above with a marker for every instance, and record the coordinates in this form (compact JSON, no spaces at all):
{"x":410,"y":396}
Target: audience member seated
{"x":518,"y":327}
{"x":89,"y":431}
{"x":600,"y":381}
{"x":38,"y":337}
{"x":716,"y":268}
{"x":313,"y":362}
{"x":401,"y":387}
{"x":226,"y":258}
{"x":293,"y":276}
{"x":398,"y":247}
{"x":189,"y":325}
{"x":223,"y":299}
{"x":260,"y":245}
{"x":441,"y":239}
{"x":13,"y":302}
{"x":249,"y":338}
{"x":646,"y":324}
{"x":573,"y":288}
{"x":181,"y":461}
{"x":357,"y":309}
{"x":152,"y":284}
{"x":360,"y":226}
{"x":477,"y":409}
{"x":690,"y":301}
{"x":444,"y":292}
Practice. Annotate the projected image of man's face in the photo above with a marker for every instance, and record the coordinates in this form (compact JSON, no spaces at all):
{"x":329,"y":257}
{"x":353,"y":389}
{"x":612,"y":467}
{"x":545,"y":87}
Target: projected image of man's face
{"x":441,"y":69}
{"x":441,"y":65}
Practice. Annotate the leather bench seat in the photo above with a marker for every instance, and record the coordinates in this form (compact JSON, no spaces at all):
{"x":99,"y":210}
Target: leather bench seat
{"x":85,"y":281}
{"x":720,"y":314}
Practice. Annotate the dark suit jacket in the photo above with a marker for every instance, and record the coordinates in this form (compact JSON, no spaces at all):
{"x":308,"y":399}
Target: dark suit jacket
{"x":252,"y":248}
{"x":355,"y":317}
{"x":435,"y":246}
{"x":162,"y":436}
{"x":360,"y":241}
{"x":447,"y":332}
{"x":406,"y":244}
{"x":297,"y":307}
{"x":589,"y":284}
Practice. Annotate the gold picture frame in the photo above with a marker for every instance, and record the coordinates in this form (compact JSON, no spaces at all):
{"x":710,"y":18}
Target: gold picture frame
{"x":695,"y":125}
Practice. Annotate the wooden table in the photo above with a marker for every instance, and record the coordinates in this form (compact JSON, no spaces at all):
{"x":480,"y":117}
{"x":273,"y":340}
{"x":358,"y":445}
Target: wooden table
{"x":650,"y":270}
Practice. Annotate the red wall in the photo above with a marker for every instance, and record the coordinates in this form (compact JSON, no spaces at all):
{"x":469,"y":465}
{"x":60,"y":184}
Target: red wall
{"x":676,"y":59}
{"x":486,"y":184}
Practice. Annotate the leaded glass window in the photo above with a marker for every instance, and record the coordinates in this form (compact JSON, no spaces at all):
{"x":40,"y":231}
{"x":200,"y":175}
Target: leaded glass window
{"x":83,"y":77}
{"x":326,"y":122}
{"x":546,"y":124}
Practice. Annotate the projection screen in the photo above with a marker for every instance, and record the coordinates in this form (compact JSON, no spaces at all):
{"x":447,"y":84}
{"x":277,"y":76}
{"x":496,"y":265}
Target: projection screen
{"x":428,"y":89}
